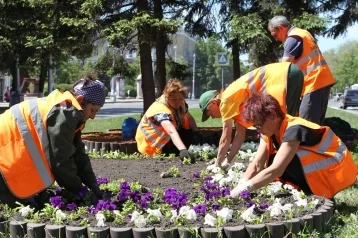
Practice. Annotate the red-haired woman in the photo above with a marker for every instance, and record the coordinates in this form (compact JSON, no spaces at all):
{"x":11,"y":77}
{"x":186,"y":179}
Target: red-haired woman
{"x":295,"y":150}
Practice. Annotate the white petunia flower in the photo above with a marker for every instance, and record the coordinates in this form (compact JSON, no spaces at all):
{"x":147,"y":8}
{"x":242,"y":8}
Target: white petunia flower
{"x":135,"y":215}
{"x":287,"y":207}
{"x":184,"y":210}
{"x":274,"y":188}
{"x":217,"y":177}
{"x":237,"y":165}
{"x":302,"y":203}
{"x":249,"y":215}
{"x":60,"y":215}
{"x":315,"y":201}
{"x":100,"y":219}
{"x":25,"y":211}
{"x":140,"y":222}
{"x":296,"y":195}
{"x":288,"y":187}
{"x":225,"y":213}
{"x":156,"y":213}
{"x":275,"y":210}
{"x":191,"y":215}
{"x":174,"y":215}
{"x":209,"y":220}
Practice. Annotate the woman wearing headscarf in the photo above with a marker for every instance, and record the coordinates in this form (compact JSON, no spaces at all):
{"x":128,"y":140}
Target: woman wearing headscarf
{"x":40,"y":143}
{"x":167,"y":126}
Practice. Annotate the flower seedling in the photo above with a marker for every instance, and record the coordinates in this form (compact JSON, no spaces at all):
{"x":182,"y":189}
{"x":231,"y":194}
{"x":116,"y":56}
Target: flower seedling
{"x":174,"y":171}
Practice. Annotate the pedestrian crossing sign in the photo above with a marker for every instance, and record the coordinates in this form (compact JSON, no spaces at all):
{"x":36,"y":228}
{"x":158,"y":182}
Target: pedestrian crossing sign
{"x":222,"y":59}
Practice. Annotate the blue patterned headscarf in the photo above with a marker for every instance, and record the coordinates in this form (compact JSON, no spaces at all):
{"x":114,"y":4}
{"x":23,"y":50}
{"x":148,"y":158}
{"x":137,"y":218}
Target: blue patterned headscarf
{"x":92,"y":90}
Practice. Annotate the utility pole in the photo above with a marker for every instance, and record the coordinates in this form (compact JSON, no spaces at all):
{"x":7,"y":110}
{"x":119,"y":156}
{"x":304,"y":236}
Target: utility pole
{"x":193,"y":87}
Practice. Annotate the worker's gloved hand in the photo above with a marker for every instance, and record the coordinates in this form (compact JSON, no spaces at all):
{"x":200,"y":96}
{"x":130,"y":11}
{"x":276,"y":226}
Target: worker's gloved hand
{"x":226,"y":165}
{"x":242,"y":186}
{"x":93,"y":198}
{"x":198,"y":138}
{"x":185,"y":154}
{"x":97,"y":192}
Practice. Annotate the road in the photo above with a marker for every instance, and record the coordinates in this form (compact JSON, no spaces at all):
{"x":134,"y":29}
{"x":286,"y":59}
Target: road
{"x":128,"y":107}
{"x":335,"y":105}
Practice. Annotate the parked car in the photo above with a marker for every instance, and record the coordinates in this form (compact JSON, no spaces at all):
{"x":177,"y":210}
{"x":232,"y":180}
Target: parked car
{"x":337,"y":96}
{"x":349,"y":98}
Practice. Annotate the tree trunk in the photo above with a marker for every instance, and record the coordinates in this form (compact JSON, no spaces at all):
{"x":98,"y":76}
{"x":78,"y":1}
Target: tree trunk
{"x":161,"y":46}
{"x":42,"y":76}
{"x":236,"y":58}
{"x":145,"y":60}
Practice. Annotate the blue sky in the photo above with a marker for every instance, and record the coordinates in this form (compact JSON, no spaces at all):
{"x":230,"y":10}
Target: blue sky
{"x":326,"y":44}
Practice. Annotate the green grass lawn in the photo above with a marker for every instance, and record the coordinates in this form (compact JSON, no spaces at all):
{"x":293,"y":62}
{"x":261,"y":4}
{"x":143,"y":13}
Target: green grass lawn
{"x":345,"y":222}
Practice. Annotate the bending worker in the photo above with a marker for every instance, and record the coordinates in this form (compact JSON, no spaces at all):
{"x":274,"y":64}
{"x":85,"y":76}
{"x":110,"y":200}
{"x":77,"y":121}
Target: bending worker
{"x":282,"y":80}
{"x":309,"y":156}
{"x":41,"y":143}
{"x":167,"y":126}
{"x":301,"y":48}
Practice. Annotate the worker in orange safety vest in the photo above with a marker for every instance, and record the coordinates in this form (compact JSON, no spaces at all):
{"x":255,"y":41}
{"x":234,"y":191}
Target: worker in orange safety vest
{"x":301,"y":48}
{"x":293,"y":149}
{"x":40,"y":143}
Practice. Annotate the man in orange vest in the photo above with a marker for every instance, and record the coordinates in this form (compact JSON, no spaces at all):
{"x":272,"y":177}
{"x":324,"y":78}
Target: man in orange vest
{"x":282,"y":80}
{"x":301,"y":48}
{"x":308,"y":156}
{"x":40,"y":143}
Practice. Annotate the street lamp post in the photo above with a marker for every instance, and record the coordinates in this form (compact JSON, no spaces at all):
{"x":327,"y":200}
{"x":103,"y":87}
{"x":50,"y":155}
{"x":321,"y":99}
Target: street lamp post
{"x":193,"y":87}
{"x":175,"y":53}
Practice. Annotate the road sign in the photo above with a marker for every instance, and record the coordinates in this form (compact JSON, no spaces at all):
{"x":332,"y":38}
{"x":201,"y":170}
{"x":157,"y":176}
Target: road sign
{"x":222,"y":59}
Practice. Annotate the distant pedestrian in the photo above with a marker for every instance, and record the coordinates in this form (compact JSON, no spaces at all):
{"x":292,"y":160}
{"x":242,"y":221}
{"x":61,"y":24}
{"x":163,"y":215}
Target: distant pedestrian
{"x":7,"y":95}
{"x":301,"y":48}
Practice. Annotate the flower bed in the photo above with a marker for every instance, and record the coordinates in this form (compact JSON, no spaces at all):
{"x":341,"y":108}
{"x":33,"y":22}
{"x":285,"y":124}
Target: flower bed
{"x":139,"y":202}
{"x":112,"y":140}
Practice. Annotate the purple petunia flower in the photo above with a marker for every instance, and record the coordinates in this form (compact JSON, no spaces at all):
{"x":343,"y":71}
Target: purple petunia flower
{"x":102,"y":206}
{"x":200,"y":209}
{"x":215,"y":207}
{"x":71,"y":206}
{"x":196,"y":174}
{"x":82,"y":192}
{"x":124,"y":186}
{"x":245,"y":194}
{"x":225,"y":191}
{"x":58,"y":190}
{"x":57,"y":201}
{"x":172,"y":197}
{"x":149,"y":196}
{"x":250,"y":203}
{"x":264,"y":206}
{"x":102,"y":180}
{"x":135,"y":196}
{"x":143,"y":203}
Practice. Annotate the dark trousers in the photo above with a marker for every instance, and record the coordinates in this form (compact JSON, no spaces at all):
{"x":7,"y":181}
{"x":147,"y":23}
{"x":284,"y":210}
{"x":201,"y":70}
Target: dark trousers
{"x":294,"y":174}
{"x":6,"y":197}
{"x":314,"y":105}
{"x":186,"y":135}
{"x":294,"y":88}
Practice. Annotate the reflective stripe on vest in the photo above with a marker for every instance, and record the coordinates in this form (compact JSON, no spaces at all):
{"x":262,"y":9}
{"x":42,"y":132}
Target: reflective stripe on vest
{"x":337,"y":157}
{"x":29,"y":142}
{"x":160,"y":134}
{"x":251,"y":80}
{"x":313,"y":66}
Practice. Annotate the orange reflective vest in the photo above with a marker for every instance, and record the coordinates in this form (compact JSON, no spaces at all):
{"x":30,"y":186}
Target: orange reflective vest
{"x":328,"y":166}
{"x":312,"y":63}
{"x":150,"y":137}
{"x":269,"y":79}
{"x":24,"y":146}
